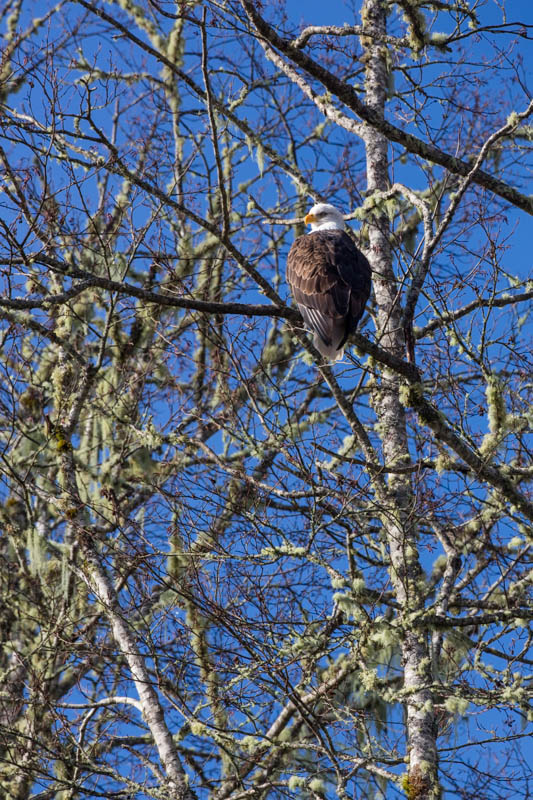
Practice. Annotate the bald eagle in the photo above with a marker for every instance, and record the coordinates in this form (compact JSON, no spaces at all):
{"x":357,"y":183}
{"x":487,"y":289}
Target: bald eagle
{"x":329,"y":279}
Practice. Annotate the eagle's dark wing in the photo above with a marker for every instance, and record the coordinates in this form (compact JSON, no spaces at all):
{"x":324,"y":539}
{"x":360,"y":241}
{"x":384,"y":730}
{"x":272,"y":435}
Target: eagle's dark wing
{"x":330,"y":281}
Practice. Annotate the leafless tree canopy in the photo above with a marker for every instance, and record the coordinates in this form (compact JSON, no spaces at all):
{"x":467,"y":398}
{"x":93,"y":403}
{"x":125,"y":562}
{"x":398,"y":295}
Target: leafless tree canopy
{"x":229,"y":569}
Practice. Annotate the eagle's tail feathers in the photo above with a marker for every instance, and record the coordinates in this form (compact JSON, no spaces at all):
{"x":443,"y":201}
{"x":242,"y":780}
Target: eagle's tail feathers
{"x":328,"y":351}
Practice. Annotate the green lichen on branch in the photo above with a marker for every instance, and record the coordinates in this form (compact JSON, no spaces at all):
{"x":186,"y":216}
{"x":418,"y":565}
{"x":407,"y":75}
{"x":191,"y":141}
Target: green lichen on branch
{"x":411,"y":394}
{"x":497,"y":415}
{"x":417,"y":786}
{"x":62,"y":444}
{"x":416,"y":24}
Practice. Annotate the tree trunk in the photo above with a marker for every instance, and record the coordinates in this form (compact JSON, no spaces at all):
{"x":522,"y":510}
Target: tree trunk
{"x":399,"y":520}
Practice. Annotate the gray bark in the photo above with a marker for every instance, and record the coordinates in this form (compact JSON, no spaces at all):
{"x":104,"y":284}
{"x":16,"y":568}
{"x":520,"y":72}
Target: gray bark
{"x":422,"y":779}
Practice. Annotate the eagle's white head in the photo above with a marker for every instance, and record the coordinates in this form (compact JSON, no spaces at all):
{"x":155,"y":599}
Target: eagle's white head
{"x":324,"y":217}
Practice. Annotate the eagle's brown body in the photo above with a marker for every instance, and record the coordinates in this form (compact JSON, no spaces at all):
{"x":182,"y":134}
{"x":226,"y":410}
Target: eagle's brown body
{"x":330,"y":281}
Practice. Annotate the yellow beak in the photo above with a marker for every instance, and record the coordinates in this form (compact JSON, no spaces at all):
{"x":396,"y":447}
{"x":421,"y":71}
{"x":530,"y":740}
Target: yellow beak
{"x":309,"y":218}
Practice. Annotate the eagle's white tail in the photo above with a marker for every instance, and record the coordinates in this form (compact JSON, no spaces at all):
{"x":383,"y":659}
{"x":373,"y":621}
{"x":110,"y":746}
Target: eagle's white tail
{"x":330,"y":352}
